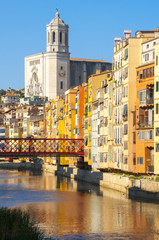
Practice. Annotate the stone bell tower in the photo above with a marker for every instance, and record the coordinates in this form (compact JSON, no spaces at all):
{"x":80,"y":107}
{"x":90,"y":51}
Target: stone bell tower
{"x":57,"y":57}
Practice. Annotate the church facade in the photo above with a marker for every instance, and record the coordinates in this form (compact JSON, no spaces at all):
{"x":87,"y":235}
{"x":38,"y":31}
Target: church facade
{"x":53,"y":72}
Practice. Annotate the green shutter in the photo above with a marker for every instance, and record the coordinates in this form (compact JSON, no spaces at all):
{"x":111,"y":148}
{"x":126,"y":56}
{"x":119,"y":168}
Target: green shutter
{"x":157,"y":86}
{"x":156,"y":108}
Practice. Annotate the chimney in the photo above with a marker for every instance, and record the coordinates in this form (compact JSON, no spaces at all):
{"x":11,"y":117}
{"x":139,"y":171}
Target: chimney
{"x":127,"y":34}
{"x":117,"y":40}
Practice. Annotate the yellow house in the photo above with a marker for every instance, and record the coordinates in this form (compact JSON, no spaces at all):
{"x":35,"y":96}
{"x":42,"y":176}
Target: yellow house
{"x":94,"y":83}
{"x":70,"y":115}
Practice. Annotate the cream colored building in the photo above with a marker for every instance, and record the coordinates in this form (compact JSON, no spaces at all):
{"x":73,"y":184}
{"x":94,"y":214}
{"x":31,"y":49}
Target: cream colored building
{"x":127,"y":56}
{"x":48,"y":74}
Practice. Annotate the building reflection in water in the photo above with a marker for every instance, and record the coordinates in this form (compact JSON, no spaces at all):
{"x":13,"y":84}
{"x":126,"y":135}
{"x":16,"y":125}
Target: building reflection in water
{"x":85,"y":208}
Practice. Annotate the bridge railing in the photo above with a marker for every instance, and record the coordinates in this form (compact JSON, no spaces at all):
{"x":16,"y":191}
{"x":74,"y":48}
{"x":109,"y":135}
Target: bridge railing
{"x":45,"y":146}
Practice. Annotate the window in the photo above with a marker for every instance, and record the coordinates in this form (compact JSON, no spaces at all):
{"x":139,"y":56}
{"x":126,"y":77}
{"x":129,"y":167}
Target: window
{"x":101,"y":157}
{"x":110,"y":90}
{"x":147,"y":46}
{"x":137,"y":94}
{"x":98,"y":129}
{"x":125,"y":129}
{"x":153,"y":54}
{"x":134,"y":158}
{"x":60,"y":37}
{"x":125,"y":145}
{"x":134,"y":137}
{"x":94,"y":158}
{"x":105,"y":157}
{"x":2,"y":130}
{"x":89,"y":108}
{"x":142,"y":135}
{"x":144,"y":73}
{"x":157,"y":131}
{"x":157,"y":86}
{"x":105,"y":89}
{"x":157,"y":147}
{"x":151,"y":71}
{"x":86,"y":124}
{"x":140,"y":160}
{"x":143,"y":97}
{"x":86,"y":141}
{"x":147,"y":57}
{"x":125,"y":112}
{"x":61,"y":85}
{"x":90,"y":121}
{"x":110,"y":130}
{"x":89,"y":137}
{"x":53,"y":37}
{"x":125,"y":160}
{"x":126,"y":54}
{"x":149,"y":135}
{"x":157,"y":60}
{"x":157,"y":108}
{"x":89,"y":154}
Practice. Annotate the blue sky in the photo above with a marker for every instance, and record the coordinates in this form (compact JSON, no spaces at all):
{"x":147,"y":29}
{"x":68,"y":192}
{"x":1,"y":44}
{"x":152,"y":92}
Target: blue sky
{"x":92,"y":27}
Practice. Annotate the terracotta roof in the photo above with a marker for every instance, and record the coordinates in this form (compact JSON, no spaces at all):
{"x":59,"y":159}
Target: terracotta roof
{"x":10,"y":94}
{"x":87,"y":60}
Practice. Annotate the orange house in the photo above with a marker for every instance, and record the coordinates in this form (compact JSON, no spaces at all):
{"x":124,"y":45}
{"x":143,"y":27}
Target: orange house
{"x":145,"y":118}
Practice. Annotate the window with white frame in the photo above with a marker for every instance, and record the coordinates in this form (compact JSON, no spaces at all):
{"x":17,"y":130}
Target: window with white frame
{"x":142,"y":135}
{"x":157,"y":131}
{"x":149,"y":135}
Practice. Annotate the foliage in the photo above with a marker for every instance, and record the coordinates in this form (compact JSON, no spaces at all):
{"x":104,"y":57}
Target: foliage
{"x":15,"y":224}
{"x":21,"y":95}
{"x":2,"y":92}
{"x":157,"y":179}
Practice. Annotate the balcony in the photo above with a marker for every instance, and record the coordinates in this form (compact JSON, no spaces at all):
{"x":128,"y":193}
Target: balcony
{"x":146,"y":97}
{"x":145,"y":125}
{"x":146,"y":119}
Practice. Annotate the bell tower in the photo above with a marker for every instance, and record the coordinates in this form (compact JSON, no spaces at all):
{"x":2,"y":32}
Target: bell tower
{"x":57,"y":58}
{"x":57,"y":35}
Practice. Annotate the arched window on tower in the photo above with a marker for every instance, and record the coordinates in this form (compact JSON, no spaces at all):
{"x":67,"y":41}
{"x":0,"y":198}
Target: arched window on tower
{"x":53,"y":37}
{"x":61,"y":85}
{"x":60,"y":37}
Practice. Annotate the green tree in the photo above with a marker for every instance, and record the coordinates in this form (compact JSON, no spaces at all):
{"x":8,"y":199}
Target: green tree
{"x":16,"y":225}
{"x":2,"y":92}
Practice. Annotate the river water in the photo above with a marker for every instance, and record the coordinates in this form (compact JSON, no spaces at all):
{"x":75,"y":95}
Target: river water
{"x":67,"y":209}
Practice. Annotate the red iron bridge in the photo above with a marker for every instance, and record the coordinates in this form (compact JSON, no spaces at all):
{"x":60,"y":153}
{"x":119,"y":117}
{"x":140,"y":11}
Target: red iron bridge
{"x":36,"y":147}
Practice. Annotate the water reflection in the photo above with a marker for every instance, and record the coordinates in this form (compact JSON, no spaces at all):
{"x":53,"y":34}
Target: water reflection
{"x":69,"y":209}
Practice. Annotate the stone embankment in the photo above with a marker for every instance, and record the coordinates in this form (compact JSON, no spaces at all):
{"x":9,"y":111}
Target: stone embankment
{"x":133,"y":188}
{"x":21,"y":166}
